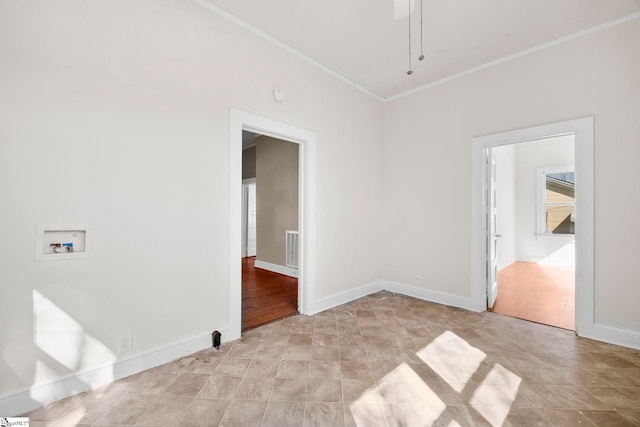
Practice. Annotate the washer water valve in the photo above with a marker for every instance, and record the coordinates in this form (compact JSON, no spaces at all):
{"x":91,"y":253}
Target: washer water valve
{"x":62,"y":248}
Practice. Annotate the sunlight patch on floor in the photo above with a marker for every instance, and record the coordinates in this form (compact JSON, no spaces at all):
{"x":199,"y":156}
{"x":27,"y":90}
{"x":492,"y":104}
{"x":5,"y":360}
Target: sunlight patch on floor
{"x":402,"y":397}
{"x":494,"y":397}
{"x":406,"y":400}
{"x":453,"y":359}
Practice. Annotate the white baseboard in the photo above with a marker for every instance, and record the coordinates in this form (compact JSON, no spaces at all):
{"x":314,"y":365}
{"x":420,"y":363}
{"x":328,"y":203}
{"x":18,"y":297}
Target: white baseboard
{"x":506,"y":264}
{"x":528,"y":258}
{"x":612,"y":335}
{"x":344,"y":297}
{"x":395,"y":287}
{"x":280,"y":269}
{"x":428,"y":295}
{"x":31,"y":398}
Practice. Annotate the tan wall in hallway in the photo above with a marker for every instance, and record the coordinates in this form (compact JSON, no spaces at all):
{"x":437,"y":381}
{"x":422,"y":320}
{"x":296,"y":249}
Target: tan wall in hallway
{"x":277,"y":196}
{"x":249,"y":163}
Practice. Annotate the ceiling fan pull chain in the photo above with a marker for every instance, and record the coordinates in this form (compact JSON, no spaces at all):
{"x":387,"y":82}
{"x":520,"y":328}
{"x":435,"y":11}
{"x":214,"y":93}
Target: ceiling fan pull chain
{"x":409,"y":17}
{"x":421,"y":57}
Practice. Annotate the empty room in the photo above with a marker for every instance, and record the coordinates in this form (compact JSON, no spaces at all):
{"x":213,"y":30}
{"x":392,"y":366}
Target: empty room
{"x":123,"y":213}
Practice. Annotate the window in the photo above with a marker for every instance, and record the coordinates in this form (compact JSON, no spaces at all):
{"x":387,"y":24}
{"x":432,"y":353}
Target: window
{"x":556,"y":201}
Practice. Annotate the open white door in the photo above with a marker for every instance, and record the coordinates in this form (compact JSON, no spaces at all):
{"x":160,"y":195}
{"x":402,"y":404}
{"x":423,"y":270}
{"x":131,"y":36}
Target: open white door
{"x":492,"y":235}
{"x":249,"y":218}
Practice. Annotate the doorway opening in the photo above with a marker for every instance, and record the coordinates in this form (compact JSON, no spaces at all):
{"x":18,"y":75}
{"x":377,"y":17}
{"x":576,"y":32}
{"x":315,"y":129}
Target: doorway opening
{"x":270,"y":178}
{"x":306,"y":141}
{"x":481,"y":286}
{"x":532,"y":230}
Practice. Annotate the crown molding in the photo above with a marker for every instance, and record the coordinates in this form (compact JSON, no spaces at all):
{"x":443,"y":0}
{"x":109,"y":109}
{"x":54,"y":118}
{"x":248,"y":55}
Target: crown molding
{"x":232,"y":18}
{"x":266,"y":37}
{"x":517,"y":55}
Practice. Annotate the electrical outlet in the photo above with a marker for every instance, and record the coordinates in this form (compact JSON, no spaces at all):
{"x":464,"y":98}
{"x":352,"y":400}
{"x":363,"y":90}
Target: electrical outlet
{"x":125,"y":343}
{"x":417,"y":280}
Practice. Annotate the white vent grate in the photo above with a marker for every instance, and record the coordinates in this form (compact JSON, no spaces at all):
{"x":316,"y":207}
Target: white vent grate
{"x":292,"y":248}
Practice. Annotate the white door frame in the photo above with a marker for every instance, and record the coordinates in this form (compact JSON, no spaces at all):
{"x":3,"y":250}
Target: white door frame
{"x":582,"y":129}
{"x":239,"y":121}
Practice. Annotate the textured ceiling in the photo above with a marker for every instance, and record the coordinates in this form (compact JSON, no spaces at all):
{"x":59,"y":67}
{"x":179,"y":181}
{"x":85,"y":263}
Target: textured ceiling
{"x":362,"y":42}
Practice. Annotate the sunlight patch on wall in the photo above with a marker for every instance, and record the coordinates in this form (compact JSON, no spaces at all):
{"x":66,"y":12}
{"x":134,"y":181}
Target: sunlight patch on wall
{"x":63,"y":338}
{"x":453,"y":359}
{"x":565,"y":256}
{"x":43,"y":372}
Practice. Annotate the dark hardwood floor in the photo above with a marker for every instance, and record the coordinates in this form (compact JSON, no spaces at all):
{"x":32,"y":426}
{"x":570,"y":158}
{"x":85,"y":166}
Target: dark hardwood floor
{"x":266,"y":296}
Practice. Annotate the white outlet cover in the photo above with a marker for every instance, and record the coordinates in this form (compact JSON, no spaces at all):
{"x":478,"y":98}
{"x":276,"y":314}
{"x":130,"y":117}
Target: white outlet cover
{"x":125,"y":343}
{"x":278,"y":95}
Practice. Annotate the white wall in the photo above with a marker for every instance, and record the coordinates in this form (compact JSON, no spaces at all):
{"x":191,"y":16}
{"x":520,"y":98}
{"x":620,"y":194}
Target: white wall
{"x":115,"y":114}
{"x":428,"y":161}
{"x":529,"y":157}
{"x":505,"y":158}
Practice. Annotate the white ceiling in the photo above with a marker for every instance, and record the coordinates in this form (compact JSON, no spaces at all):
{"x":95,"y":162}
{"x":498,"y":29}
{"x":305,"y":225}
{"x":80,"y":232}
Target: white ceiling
{"x":361,"y":41}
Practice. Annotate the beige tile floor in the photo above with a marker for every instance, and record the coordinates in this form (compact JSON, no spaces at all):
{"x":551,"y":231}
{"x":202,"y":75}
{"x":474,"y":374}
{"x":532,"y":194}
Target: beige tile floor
{"x":381,"y":360}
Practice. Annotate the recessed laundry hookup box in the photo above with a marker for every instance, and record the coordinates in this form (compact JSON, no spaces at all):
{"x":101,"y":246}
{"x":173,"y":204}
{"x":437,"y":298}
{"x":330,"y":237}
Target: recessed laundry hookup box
{"x":61,"y":242}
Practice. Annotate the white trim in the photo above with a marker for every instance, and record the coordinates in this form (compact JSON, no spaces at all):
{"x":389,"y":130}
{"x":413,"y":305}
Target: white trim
{"x":395,"y":287}
{"x":268,"y":38}
{"x":280,"y":269}
{"x":239,"y":121}
{"x":37,"y":395}
{"x":529,"y":258}
{"x":584,"y":161}
{"x":506,"y":264}
{"x":516,"y":55}
{"x":613,"y":335}
{"x":428,"y":295}
{"x":345,"y":297}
